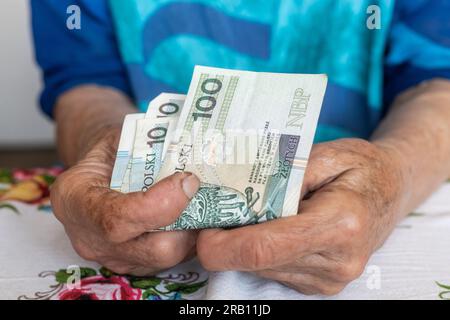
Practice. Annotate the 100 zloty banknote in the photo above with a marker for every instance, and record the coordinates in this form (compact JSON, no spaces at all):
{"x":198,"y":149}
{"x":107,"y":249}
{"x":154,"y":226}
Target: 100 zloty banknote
{"x":271,"y":117}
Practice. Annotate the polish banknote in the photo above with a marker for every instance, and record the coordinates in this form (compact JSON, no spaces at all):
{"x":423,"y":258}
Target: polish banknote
{"x":143,"y":135}
{"x":247,"y":136}
{"x":122,"y":165}
{"x":151,"y":133}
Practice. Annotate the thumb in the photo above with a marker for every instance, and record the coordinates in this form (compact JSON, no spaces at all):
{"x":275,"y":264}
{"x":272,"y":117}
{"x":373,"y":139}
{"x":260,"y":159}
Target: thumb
{"x":130,"y":215}
{"x":169,"y":197}
{"x":324,"y":166}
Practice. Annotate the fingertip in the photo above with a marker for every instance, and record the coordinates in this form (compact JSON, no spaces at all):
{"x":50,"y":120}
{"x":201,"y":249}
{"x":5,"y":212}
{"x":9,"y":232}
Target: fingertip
{"x":208,"y":236}
{"x":209,"y":249}
{"x":185,"y":244}
{"x":180,"y":182}
{"x":190,"y":185}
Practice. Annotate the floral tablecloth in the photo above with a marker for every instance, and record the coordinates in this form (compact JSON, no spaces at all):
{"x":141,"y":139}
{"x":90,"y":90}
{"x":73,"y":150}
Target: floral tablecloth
{"x":37,"y":261}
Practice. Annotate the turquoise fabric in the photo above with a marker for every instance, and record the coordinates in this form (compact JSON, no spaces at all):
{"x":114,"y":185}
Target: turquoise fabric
{"x":160,"y":42}
{"x":144,"y":47}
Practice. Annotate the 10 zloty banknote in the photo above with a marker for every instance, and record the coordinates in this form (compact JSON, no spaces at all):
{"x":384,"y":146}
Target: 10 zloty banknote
{"x":141,"y":145}
{"x":151,"y":134}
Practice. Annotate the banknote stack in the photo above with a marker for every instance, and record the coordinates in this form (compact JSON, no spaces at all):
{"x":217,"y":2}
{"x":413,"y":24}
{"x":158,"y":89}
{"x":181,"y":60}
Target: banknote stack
{"x":246,"y":135}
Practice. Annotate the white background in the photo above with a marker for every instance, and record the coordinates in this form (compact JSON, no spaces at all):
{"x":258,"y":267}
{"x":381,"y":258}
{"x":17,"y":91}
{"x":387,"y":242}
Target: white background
{"x":21,"y":122}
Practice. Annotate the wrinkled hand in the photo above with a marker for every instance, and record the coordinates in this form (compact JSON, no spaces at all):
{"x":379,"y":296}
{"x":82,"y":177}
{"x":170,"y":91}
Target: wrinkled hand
{"x":113,"y":228}
{"x":352,"y":190}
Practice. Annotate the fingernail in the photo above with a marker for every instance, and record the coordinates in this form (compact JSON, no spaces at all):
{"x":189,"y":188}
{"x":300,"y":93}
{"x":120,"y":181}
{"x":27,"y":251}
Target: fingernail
{"x":190,"y":185}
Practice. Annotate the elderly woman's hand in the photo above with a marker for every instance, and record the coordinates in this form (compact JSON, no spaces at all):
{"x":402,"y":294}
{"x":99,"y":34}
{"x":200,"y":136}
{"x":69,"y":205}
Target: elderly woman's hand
{"x":352,"y":190}
{"x":113,"y":228}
